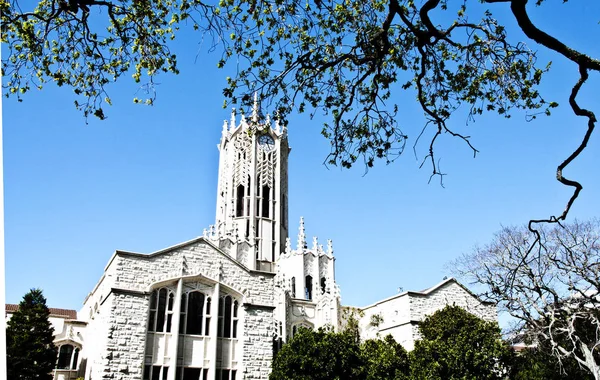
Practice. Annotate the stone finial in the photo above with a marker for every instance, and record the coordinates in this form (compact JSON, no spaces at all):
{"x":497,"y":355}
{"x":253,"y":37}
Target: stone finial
{"x":225,"y":127}
{"x":243,"y":122}
{"x":315,"y":245}
{"x":329,"y":247}
{"x":255,"y":108}
{"x":268,"y":121}
{"x":301,"y":236}
{"x":205,"y":233}
{"x":232,"y":123}
{"x":288,"y":246}
{"x":277,"y":126}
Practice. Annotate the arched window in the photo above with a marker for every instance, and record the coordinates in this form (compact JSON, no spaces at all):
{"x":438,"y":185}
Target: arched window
{"x":308,"y":288}
{"x":161,"y":310}
{"x":323,"y":284}
{"x":65,"y":353}
{"x":160,"y":314}
{"x":152,"y":317}
{"x":170,"y":311}
{"x":228,"y":318}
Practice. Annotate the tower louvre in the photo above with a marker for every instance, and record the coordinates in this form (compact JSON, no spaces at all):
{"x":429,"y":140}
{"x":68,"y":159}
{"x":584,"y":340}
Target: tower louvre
{"x":251,"y":214}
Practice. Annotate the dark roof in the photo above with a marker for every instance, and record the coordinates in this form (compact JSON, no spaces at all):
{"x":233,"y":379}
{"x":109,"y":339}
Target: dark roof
{"x":54,"y":312}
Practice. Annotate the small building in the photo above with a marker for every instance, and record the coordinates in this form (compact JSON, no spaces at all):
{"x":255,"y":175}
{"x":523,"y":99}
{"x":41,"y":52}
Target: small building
{"x":68,"y":338}
{"x":400,"y":314}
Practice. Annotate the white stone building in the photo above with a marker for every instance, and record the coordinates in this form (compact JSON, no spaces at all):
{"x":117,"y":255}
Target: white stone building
{"x":399,"y":315}
{"x":217,"y":306}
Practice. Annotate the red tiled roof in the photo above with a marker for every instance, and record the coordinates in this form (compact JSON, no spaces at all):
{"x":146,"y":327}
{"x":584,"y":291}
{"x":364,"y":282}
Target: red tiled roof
{"x":54,"y":312}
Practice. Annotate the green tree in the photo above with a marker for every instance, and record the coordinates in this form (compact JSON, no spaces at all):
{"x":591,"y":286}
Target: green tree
{"x":455,"y":344}
{"x":318,"y":355}
{"x":341,"y":57}
{"x":384,"y":359}
{"x":30,"y":351}
{"x":537,"y":364}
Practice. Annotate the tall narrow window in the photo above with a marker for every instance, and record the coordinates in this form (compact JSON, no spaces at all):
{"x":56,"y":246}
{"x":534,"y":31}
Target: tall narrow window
{"x":220,"y":318}
{"x":207,"y":322}
{"x":284,"y":216}
{"x":293,"y":287}
{"x":266,"y":201}
{"x":235,"y":320}
{"x":75,"y":358}
{"x":257,"y":211}
{"x":182,"y":316}
{"x":239,"y":201}
{"x":227,"y":318}
{"x":195,"y":313}
{"x":323,"y":284}
{"x":170,"y":311}
{"x":160,"y":314}
{"x":152,"y":318}
{"x":308,"y":288}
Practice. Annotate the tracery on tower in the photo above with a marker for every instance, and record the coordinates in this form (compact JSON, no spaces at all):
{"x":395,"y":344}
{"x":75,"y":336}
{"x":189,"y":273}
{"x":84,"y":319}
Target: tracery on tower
{"x":251,"y":217}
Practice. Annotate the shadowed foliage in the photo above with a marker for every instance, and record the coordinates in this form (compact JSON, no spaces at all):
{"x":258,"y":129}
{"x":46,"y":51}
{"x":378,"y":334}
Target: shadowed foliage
{"x":30,"y":351}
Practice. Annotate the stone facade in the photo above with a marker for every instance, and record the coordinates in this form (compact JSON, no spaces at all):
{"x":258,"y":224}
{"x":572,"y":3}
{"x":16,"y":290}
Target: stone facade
{"x":399,"y":315}
{"x":217,"y":306}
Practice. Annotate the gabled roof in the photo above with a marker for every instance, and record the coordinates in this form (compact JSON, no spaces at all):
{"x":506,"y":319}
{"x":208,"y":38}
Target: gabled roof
{"x":428,"y":291}
{"x":181,"y":245}
{"x":54,"y":312}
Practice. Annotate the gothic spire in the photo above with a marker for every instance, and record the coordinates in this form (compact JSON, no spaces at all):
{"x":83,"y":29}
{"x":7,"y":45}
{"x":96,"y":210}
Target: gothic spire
{"x":232,"y":123}
{"x":301,"y":236}
{"x":288,"y":246}
{"x":255,"y":107}
{"x":329,"y":247}
{"x":277,"y":126}
{"x":224,"y":127}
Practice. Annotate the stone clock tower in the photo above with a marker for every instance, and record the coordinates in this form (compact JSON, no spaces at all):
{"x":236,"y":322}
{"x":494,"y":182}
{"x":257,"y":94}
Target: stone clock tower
{"x":251,"y":220}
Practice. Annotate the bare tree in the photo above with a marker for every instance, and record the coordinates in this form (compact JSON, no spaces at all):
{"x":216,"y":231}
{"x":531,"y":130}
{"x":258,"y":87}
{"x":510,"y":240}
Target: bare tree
{"x":551,"y":291}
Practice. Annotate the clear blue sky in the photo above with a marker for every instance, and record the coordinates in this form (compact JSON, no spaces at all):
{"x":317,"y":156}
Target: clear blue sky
{"x":145,"y":179}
